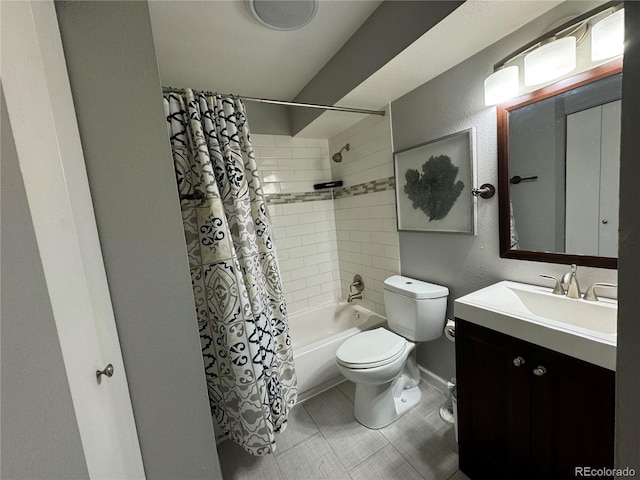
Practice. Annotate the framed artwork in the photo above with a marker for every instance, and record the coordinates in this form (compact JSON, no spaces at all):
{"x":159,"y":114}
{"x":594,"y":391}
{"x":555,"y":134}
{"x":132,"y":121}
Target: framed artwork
{"x":434,"y":181}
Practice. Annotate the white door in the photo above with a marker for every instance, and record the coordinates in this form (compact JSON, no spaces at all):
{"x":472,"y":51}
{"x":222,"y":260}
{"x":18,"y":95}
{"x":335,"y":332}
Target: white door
{"x":41,"y":112}
{"x":583,"y":181}
{"x":593,"y":176}
{"x":610,"y":179}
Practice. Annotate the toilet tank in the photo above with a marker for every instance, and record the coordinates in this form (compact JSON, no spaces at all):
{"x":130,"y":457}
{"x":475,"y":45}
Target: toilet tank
{"x":415,"y":309}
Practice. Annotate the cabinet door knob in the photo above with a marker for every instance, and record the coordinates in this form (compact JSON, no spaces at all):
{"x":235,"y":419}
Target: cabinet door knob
{"x":108,"y":371}
{"x":539,"y":371}
{"x":518,"y":361}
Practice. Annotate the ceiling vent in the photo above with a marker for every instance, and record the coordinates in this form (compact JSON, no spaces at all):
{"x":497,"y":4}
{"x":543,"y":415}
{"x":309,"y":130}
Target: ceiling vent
{"x":283,"y":14}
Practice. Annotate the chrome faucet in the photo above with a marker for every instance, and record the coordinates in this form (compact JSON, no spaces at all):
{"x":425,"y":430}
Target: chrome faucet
{"x":568,"y":285}
{"x":570,"y":280}
{"x":358,"y":284}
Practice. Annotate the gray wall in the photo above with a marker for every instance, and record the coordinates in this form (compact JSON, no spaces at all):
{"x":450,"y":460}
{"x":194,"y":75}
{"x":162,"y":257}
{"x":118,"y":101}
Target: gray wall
{"x":628,"y":373}
{"x":449,"y":103}
{"x":268,"y":119}
{"x":117,"y":94}
{"x":40,"y":436}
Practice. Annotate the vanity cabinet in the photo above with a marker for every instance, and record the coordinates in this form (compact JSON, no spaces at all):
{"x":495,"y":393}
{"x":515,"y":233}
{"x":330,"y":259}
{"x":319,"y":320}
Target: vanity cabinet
{"x":527,"y":412}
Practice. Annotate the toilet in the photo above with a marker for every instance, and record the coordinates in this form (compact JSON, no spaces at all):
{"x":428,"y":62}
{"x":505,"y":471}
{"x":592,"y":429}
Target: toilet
{"x":382,"y":362}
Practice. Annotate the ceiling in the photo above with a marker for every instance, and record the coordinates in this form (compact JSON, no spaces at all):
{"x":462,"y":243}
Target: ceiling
{"x":198,"y":44}
{"x":218,"y":45}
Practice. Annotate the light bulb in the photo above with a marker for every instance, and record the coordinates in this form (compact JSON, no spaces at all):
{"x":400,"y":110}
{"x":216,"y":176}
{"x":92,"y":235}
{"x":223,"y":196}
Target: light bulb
{"x":501,"y":86}
{"x":607,"y":37}
{"x":550,"y":61}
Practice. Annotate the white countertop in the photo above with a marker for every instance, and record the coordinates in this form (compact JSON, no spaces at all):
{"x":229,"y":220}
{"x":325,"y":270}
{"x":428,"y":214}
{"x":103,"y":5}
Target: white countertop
{"x":500,"y":307}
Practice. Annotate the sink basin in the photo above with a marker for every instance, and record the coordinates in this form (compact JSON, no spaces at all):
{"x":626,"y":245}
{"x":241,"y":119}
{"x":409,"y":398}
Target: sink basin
{"x":576,"y":327}
{"x":600,"y":316}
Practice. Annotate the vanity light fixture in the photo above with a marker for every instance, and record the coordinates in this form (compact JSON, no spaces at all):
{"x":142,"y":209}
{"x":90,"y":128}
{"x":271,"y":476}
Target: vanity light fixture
{"x":550,"y":61}
{"x":553,"y":54}
{"x":501,"y":85}
{"x":607,"y":37}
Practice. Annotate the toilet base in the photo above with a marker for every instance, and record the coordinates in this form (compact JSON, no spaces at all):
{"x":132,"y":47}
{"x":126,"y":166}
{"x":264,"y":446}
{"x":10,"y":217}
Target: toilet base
{"x":376,"y":406}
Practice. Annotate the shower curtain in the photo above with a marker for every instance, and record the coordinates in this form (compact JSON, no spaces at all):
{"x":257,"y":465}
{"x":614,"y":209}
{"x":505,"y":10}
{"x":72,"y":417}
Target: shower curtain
{"x":513,"y":233}
{"x":242,"y":314}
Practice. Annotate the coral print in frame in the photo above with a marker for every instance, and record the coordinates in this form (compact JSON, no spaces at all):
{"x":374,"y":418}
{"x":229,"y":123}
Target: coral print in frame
{"x":434,"y":181}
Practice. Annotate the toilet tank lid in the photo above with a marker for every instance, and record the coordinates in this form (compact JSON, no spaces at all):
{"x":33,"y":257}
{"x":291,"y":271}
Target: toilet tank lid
{"x":410,"y":287}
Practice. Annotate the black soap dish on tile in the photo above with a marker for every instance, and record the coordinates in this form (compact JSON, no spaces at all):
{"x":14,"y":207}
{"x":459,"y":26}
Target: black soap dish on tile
{"x":322,"y":186}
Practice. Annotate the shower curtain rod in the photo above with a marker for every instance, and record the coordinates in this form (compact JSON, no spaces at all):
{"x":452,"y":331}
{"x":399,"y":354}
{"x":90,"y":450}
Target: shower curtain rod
{"x":280,"y":102}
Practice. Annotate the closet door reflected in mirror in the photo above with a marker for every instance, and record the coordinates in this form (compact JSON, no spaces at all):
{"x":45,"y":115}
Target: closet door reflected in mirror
{"x":558,"y":161}
{"x":592,"y":180}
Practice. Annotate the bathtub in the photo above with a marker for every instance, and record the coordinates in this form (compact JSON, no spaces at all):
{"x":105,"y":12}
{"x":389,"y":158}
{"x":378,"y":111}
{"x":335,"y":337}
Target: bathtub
{"x":316,"y":334}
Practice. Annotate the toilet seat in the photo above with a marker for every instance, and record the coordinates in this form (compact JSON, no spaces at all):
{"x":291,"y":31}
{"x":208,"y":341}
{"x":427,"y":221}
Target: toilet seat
{"x":370,"y":349}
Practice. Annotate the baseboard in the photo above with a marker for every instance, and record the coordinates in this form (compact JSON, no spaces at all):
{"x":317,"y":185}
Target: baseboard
{"x":433,"y":380}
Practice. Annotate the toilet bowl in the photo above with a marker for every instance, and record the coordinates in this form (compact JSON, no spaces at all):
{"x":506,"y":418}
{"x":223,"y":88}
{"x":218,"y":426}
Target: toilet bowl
{"x":383,"y":367}
{"x":382,"y":362}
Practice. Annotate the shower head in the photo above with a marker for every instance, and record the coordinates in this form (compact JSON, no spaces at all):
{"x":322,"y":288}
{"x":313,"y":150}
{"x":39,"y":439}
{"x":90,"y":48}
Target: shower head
{"x":337,"y":157}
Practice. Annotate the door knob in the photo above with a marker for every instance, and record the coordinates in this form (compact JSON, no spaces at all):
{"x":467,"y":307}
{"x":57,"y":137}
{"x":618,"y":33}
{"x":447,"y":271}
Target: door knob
{"x":539,"y":371}
{"x":518,"y":361}
{"x":108,"y":371}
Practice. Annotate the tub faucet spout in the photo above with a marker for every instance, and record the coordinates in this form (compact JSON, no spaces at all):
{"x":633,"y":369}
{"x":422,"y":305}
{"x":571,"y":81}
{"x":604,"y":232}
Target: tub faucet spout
{"x":354,"y":296}
{"x":358,"y":285}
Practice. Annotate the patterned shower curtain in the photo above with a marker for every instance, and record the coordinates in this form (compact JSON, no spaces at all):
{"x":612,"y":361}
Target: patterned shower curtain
{"x":237,"y":289}
{"x":513,"y":233}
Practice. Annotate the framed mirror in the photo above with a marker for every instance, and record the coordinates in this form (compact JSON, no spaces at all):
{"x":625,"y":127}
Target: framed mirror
{"x":558,"y":170}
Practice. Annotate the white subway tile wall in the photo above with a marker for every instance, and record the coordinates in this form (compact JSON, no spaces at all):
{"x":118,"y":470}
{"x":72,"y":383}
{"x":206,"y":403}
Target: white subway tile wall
{"x":370,"y":154}
{"x":366,"y":225}
{"x":305,"y":232}
{"x":288,"y":164}
{"x":367,"y":244}
{"x":323,"y":244}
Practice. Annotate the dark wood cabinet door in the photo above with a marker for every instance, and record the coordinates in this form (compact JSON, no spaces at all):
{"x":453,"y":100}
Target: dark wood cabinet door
{"x":572,"y":415}
{"x":494,"y":402}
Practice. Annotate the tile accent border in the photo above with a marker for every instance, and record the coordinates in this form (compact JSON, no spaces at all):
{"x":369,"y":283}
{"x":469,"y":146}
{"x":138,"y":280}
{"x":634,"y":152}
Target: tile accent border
{"x":380,"y":185}
{"x":367,"y":187}
{"x":298,"y":197}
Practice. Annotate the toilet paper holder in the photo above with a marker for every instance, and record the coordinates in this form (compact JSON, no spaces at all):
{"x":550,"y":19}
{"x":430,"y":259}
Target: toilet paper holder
{"x":450,"y":330}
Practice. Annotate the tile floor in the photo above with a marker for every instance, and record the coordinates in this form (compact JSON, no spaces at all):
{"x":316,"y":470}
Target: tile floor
{"x":324,"y":441}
